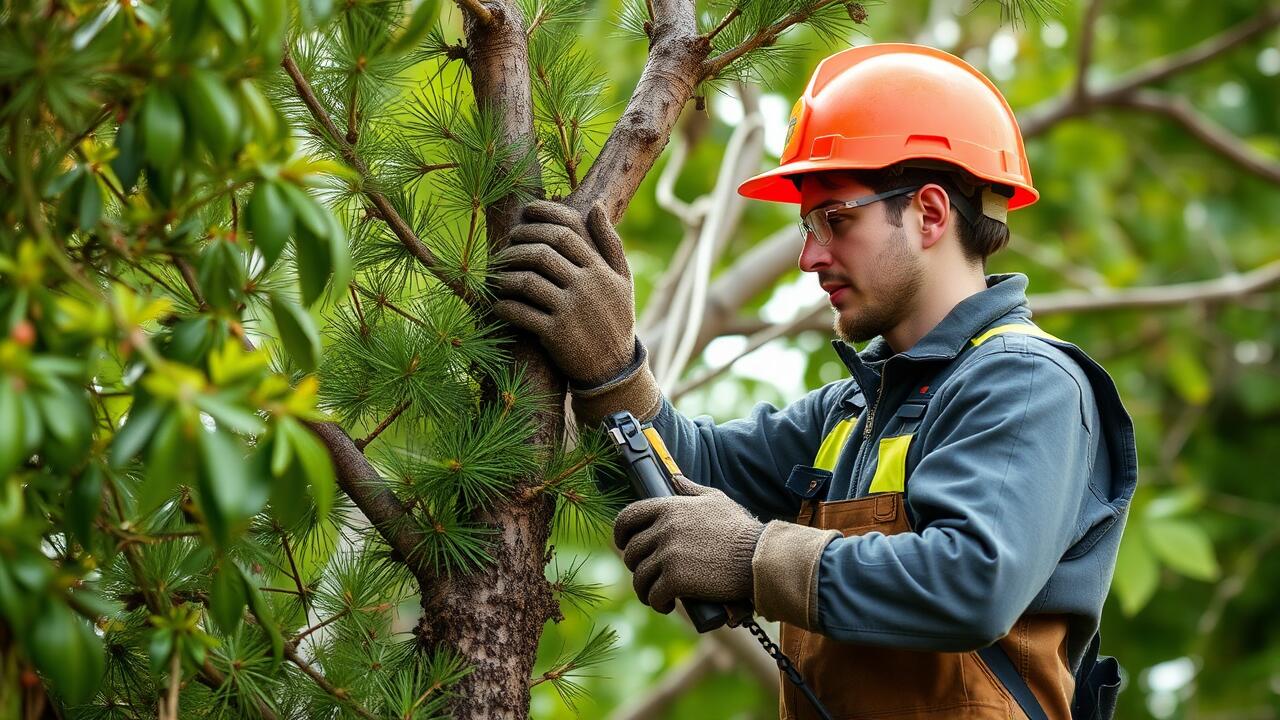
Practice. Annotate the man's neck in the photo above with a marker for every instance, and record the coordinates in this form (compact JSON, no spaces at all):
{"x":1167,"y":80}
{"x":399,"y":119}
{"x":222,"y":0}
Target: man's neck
{"x":940,"y":298}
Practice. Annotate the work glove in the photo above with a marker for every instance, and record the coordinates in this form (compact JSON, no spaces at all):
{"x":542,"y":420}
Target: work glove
{"x":564,"y":278}
{"x":697,"y":544}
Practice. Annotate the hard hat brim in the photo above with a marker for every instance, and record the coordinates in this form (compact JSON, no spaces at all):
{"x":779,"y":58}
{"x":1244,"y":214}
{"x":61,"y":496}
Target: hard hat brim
{"x":774,"y":185}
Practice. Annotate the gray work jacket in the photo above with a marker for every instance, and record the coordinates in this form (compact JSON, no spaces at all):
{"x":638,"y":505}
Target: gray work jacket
{"x":1019,"y":479}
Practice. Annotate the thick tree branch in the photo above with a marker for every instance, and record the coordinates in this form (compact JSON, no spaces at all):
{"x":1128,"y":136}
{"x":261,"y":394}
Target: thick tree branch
{"x":386,"y":211}
{"x":670,"y":75}
{"x":1204,"y":129}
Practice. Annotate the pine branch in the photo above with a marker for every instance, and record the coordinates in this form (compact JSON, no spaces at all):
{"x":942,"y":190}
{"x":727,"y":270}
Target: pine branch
{"x":766,"y":35}
{"x":724,"y":23}
{"x":386,"y":211}
{"x":340,"y":694}
{"x":364,"y":442}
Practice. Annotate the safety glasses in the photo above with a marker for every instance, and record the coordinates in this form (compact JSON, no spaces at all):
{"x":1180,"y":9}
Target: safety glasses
{"x":817,"y":222}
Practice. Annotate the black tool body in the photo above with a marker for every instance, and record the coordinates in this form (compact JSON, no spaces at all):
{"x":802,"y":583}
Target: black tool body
{"x":651,"y":470}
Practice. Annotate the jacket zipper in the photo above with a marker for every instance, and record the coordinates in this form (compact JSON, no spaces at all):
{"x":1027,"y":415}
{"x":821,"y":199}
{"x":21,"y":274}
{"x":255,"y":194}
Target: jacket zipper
{"x":867,"y":429}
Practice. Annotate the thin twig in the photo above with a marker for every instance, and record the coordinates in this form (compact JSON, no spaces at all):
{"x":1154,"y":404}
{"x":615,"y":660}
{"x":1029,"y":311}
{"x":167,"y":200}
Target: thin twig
{"x":339,"y":693}
{"x":394,"y":222}
{"x":386,"y":422}
{"x":734,"y":13}
{"x":382,"y":301}
{"x":293,"y":568}
{"x":714,"y":66}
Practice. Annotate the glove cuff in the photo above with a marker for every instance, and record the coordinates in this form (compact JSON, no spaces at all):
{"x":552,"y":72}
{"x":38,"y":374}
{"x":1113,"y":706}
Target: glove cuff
{"x":634,"y":389}
{"x":784,"y":571}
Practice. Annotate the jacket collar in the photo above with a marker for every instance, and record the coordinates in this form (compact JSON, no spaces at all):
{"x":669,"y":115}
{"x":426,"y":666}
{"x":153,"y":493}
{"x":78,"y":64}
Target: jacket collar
{"x":1005,"y":299}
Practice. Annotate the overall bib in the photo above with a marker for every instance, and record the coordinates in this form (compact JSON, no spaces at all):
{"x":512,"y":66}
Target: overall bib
{"x":886,"y":683}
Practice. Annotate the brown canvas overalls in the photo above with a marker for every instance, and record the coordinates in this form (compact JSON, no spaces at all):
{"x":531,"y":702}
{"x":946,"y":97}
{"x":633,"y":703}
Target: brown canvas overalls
{"x":886,"y":683}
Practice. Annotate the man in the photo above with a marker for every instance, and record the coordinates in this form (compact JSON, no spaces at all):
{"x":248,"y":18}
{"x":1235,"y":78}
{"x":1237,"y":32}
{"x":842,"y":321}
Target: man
{"x":966,"y":488}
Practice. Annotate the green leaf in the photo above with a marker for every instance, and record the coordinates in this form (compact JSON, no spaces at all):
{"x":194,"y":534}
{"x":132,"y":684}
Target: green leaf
{"x":298,"y":332}
{"x":221,"y":274}
{"x":12,"y":419}
{"x":89,"y":202}
{"x":288,"y":486}
{"x":1183,"y":546}
{"x":66,"y":651}
{"x":230,"y":415}
{"x":270,"y":219}
{"x":230,"y":18}
{"x":1137,"y":573}
{"x":213,"y":111}
{"x":315,"y":264}
{"x":83,"y":503}
{"x":230,"y":490}
{"x":169,"y":462}
{"x":159,"y":648}
{"x":261,"y":610}
{"x":311,"y":214}
{"x":315,"y":463}
{"x":265,"y":119}
{"x":271,"y":19}
{"x":67,"y":422}
{"x":227,"y":596}
{"x":417,"y":28}
{"x":138,"y":428}
{"x":127,"y":164}
{"x":162,"y":128}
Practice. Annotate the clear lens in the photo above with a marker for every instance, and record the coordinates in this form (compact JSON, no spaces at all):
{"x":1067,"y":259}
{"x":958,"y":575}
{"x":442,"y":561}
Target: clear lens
{"x":815,"y":223}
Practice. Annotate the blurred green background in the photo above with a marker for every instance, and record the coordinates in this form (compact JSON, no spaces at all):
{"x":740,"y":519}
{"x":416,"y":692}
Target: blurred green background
{"x":1130,"y":197}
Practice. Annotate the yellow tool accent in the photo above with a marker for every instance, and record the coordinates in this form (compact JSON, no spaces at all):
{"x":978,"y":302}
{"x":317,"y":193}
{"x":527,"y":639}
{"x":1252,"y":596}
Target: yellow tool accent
{"x":891,"y":465}
{"x":833,"y":443}
{"x":660,"y":448}
{"x":1021,"y":328}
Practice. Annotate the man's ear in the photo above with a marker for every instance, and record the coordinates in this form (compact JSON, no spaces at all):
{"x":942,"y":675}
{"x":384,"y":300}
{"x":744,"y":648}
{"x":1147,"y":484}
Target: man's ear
{"x":935,"y":212}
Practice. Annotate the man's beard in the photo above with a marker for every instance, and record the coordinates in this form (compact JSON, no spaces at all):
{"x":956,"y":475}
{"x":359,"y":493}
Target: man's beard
{"x":898,"y":277}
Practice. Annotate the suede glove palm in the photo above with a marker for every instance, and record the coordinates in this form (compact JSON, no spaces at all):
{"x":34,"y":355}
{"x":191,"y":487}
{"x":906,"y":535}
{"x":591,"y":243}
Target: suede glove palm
{"x":564,"y":278}
{"x":698,"y":544}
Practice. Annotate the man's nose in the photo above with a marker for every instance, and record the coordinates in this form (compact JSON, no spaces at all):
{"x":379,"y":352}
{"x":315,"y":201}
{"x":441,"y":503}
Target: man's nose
{"x":813,"y":257}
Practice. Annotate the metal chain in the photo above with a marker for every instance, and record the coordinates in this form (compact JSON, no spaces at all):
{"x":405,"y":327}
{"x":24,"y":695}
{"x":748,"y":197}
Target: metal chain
{"x":785,"y":665}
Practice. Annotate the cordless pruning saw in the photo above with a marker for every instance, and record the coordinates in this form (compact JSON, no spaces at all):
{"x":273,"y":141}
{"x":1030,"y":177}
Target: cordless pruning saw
{"x":652,"y":469}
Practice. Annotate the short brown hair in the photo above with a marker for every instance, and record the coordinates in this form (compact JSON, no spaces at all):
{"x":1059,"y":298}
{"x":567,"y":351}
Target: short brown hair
{"x":978,"y":240}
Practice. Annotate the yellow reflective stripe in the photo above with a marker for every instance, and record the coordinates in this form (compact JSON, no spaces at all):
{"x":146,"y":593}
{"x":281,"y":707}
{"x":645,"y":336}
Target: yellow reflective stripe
{"x":1022,"y":328}
{"x":660,"y":448}
{"x":891,"y":465}
{"x":833,"y":443}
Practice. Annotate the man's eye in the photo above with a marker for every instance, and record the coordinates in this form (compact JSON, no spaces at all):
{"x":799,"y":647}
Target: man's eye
{"x":835,"y":220}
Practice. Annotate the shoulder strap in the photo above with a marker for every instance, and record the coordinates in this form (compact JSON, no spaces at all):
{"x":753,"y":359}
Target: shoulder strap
{"x":998,"y":660}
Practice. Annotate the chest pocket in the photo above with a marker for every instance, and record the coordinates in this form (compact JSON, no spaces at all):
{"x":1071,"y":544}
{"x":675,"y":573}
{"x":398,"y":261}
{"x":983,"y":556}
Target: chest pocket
{"x":893,"y":452}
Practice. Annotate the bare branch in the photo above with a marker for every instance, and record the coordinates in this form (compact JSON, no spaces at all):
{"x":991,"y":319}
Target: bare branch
{"x":386,"y":211}
{"x":755,"y":342}
{"x":1204,"y":129}
{"x":1088,"y":31}
{"x":1040,"y":118}
{"x":666,"y":84}
{"x":656,"y":701}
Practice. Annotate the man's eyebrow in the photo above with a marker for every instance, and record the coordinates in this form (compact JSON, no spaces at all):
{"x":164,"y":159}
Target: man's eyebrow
{"x":828,"y":203}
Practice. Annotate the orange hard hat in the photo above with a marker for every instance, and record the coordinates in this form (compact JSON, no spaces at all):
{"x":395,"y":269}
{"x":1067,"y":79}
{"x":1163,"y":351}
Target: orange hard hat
{"x":874,"y":106}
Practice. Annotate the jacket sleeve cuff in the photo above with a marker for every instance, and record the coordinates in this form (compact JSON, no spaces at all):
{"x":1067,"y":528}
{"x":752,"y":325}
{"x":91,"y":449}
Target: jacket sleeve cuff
{"x":633,"y":389}
{"x":784,"y":571}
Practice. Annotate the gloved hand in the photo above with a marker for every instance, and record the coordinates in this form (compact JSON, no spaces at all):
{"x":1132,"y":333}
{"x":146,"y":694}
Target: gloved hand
{"x":565,"y":279}
{"x":698,"y":544}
